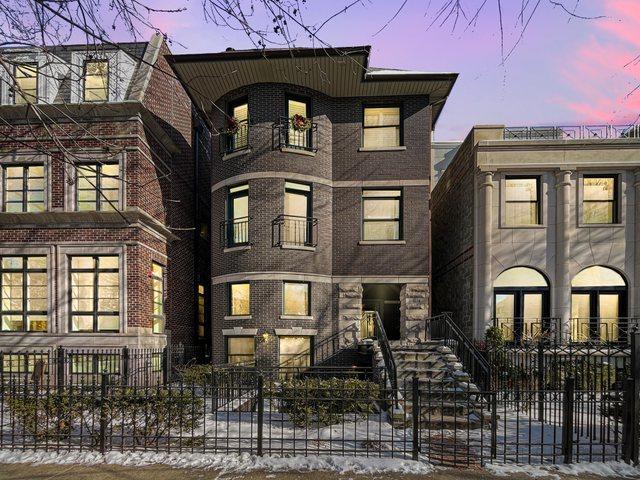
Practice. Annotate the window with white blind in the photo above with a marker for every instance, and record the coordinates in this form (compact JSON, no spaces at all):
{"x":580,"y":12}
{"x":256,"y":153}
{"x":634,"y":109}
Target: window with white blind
{"x":381,"y":127}
{"x":26,"y":79}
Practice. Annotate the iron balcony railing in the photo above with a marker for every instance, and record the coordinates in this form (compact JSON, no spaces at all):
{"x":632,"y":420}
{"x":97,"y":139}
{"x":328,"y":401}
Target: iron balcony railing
{"x":289,"y":137}
{"x":603,"y":329}
{"x":291,"y":230}
{"x":235,"y":141}
{"x":522,"y":330}
{"x":573,"y":132}
{"x":235,"y":232}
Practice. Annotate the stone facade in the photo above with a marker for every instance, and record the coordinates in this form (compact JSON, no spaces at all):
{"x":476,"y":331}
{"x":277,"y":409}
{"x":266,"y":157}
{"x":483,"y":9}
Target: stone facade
{"x":561,"y":246}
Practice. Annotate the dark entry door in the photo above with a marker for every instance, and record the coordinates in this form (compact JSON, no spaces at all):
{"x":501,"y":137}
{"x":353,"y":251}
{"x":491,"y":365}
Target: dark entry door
{"x":386,"y":302}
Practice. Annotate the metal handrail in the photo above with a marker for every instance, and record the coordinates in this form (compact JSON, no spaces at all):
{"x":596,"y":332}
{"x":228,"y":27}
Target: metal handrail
{"x":332,"y":340}
{"x":294,"y":230}
{"x":234,"y":142}
{"x":594,"y":330}
{"x":288,"y":137}
{"x":385,"y":347}
{"x":442,"y":327}
{"x":572,"y":132}
{"x":229,"y":229}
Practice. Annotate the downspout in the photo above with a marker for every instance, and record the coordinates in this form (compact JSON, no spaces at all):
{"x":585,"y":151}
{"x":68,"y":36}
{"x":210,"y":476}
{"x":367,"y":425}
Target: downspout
{"x":196,"y":224}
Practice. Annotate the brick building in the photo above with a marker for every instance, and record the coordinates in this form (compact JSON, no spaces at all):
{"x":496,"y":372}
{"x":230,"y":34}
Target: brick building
{"x":104,"y":206}
{"x":321,"y":191}
{"x":537,"y":231}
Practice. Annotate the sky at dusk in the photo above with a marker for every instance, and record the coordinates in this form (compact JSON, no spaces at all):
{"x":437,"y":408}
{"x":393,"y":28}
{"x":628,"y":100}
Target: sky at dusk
{"x":564,"y":71}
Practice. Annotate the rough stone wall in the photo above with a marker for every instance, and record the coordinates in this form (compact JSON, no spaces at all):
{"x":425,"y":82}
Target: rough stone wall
{"x":414,"y":310}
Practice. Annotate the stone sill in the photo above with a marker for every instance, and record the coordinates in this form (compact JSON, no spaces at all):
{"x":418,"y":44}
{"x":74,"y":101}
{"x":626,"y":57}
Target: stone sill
{"x":297,"y":151}
{"x":236,"y":249}
{"x":401,"y":148}
{"x":382,"y":242}
{"x":289,"y":246}
{"x":296,"y":317}
{"x":238,"y":153}
{"x":600,"y":225}
{"x":523,"y":227}
{"x":238,"y":317}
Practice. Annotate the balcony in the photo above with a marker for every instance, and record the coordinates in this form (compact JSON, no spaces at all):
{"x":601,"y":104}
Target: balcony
{"x":235,"y":232}
{"x":294,"y":232}
{"x":235,"y":140}
{"x":523,"y":330}
{"x":292,"y":139}
{"x":602,"y":330}
{"x":576,"y":132}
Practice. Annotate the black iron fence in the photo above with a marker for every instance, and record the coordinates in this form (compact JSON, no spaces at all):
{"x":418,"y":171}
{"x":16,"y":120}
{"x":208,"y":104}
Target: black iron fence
{"x":72,"y":366}
{"x":291,"y":230}
{"x":312,"y":411}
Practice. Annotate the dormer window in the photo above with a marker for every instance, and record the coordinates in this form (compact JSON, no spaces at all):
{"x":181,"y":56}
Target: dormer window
{"x":26,"y":78}
{"x":96,"y":81}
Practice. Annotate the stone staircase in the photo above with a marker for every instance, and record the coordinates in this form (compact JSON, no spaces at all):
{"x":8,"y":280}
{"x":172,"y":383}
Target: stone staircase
{"x":448,"y":397}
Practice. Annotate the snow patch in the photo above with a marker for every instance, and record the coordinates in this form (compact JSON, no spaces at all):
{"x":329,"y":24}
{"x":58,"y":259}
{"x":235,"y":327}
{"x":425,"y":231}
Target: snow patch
{"x":600,"y":469}
{"x":227,"y":463}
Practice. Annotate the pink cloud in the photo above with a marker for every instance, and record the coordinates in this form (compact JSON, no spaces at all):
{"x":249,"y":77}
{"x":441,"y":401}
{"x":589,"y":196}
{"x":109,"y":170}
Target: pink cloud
{"x":601,"y":74}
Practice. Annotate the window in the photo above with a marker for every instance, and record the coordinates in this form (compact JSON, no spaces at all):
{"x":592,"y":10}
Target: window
{"x":237,"y":232}
{"x":201,"y":312}
{"x":297,"y":214}
{"x":295,"y":351}
{"x":26,"y":78}
{"x":600,"y":199}
{"x":95,"y":294}
{"x":522,"y":201}
{"x":157,"y":286}
{"x":239,"y":299}
{"x":598,"y":305}
{"x":381,"y":214}
{"x":238,"y":140}
{"x":521,"y":304}
{"x":94,"y":363}
{"x":98,"y":187}
{"x":23,"y":283}
{"x":96,"y":81}
{"x":381,"y":127}
{"x":297,"y":300}
{"x":23,"y":188}
{"x":298,"y":138}
{"x":20,"y":363}
{"x":241,"y":350}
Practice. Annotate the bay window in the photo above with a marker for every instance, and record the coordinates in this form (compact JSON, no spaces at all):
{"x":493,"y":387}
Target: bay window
{"x":95,"y":294}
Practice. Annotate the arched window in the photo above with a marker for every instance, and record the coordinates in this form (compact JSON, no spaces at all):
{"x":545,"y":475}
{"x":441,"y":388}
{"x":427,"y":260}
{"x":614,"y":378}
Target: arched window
{"x":598,"y":305}
{"x":521,"y":303}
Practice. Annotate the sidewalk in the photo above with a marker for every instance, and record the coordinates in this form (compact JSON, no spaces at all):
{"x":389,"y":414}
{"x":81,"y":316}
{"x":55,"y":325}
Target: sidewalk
{"x":160,"y":472}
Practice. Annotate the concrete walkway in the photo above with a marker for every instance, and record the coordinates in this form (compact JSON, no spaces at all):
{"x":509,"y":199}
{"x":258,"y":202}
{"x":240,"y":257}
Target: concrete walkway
{"x":108,"y":472}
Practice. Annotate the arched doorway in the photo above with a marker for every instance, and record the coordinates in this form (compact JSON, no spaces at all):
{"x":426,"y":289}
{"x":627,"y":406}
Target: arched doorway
{"x":521,"y":303}
{"x":598,"y":305}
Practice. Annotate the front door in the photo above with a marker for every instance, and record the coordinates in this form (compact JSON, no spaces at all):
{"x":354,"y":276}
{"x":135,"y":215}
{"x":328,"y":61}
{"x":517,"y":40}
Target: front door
{"x":389,"y":311}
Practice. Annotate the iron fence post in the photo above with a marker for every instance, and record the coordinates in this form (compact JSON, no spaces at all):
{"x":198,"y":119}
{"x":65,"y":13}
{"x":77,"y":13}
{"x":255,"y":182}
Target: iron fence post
{"x":260,"y":413}
{"x":541,"y":381}
{"x":635,"y":401}
{"x":165,"y":365}
{"x":567,"y":420}
{"x":627,"y":420}
{"x":125,"y":366}
{"x":103,"y":411}
{"x":494,"y":423}
{"x":60,"y":368}
{"x":415,"y":418}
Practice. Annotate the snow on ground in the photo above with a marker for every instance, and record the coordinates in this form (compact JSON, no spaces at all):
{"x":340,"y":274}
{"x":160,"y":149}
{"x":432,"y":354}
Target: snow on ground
{"x":226,"y":463}
{"x":606,"y":470}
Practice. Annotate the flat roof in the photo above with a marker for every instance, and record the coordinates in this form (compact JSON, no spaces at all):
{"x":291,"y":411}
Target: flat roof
{"x":337,"y":72}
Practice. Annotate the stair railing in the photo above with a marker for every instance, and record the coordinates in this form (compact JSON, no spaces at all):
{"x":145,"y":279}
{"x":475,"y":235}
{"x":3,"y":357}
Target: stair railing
{"x":383,"y":342}
{"x":442,"y":327}
{"x":325,"y":348}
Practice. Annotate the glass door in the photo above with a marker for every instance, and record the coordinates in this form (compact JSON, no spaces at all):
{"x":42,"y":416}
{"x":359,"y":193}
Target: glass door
{"x":297,"y":213}
{"x":297,"y":138}
{"x":505,"y":307}
{"x":240,"y":139}
{"x":238,"y":215}
{"x":595,"y":316}
{"x":531,"y":322}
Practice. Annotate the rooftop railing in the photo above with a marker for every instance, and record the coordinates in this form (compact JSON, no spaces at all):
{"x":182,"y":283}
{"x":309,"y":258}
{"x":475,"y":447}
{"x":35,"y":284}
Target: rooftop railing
{"x":572,"y":132}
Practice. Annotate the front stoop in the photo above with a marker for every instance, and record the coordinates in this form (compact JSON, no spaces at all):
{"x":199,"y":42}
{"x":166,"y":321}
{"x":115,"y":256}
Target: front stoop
{"x":448,"y":397}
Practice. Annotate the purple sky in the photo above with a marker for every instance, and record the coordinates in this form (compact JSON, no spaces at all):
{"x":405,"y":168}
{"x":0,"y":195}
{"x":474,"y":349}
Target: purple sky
{"x":563,"y":72}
